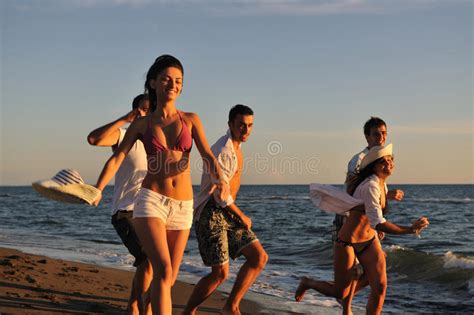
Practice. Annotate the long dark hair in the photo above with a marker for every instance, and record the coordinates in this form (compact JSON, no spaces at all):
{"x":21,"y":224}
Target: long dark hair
{"x":160,"y":64}
{"x":354,"y":179}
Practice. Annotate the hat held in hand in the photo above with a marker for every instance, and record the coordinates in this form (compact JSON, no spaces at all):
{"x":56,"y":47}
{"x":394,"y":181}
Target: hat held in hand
{"x":67,"y":186}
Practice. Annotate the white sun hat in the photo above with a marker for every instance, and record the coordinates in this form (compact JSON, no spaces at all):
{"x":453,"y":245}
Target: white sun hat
{"x":67,"y":186}
{"x":375,"y":153}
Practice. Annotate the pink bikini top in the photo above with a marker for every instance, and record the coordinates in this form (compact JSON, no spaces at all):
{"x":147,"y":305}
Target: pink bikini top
{"x":184,"y":142}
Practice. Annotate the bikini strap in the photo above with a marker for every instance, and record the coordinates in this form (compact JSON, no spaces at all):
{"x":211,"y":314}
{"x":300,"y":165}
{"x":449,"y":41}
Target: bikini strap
{"x":180,"y":116}
{"x":338,"y":240}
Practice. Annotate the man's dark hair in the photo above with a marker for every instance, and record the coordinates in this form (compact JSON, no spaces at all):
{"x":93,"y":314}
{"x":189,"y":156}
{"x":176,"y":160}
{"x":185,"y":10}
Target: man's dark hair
{"x":373,"y":122}
{"x":138,"y":99}
{"x":239,"y":109}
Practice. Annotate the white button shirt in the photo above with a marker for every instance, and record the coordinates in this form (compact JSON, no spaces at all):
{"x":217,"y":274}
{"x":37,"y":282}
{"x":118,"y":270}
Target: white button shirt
{"x":369,"y":192}
{"x":225,"y":154}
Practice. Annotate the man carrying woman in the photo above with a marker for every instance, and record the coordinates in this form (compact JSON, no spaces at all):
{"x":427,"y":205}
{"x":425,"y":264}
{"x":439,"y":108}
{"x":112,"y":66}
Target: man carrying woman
{"x":357,"y":237}
{"x":375,"y":132}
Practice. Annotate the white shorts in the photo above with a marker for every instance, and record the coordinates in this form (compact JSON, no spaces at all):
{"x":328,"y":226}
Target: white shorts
{"x":176,"y":214}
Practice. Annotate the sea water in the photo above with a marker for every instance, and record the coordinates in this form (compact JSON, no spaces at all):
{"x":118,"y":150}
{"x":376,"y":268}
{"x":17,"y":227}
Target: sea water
{"x":430,"y":274}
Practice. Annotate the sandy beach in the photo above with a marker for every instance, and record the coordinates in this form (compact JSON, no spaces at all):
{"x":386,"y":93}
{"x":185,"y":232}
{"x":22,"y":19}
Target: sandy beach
{"x":32,"y":284}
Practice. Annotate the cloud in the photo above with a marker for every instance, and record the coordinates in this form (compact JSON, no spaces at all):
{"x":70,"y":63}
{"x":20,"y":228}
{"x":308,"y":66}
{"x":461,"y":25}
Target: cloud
{"x":253,"y":7}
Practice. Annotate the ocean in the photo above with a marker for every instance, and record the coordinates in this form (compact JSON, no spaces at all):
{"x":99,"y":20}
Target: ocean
{"x":432,"y":274}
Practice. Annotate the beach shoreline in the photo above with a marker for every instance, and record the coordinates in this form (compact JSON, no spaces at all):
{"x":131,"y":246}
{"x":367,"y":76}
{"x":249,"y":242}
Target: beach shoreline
{"x":35,"y":284}
{"x":300,"y":247}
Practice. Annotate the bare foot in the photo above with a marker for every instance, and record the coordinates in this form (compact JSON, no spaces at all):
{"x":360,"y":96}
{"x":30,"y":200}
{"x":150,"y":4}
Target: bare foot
{"x":301,"y":290}
{"x":228,"y":311}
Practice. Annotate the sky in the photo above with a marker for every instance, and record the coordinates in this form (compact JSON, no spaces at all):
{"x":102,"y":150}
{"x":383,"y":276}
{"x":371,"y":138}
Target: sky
{"x":312,"y":71}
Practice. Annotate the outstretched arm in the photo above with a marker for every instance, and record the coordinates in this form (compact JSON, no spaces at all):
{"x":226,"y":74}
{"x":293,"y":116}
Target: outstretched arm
{"x":114,"y":162}
{"x":371,"y":196}
{"x":392,"y":228}
{"x":395,"y":194}
{"x":109,"y":134}
{"x":208,"y":157}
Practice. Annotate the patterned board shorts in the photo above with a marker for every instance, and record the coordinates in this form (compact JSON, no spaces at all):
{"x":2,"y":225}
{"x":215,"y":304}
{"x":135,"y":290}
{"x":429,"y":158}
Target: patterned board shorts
{"x":220,"y":235}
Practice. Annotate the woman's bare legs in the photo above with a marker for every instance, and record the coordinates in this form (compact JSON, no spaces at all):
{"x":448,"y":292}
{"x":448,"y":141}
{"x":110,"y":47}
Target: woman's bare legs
{"x":177,"y":240}
{"x":344,"y":258}
{"x":373,"y":261}
{"x":165,"y":251}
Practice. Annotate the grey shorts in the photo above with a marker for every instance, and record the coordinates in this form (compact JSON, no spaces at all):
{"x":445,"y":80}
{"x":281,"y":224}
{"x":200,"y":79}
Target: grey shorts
{"x":221,"y":235}
{"x":123,"y":223}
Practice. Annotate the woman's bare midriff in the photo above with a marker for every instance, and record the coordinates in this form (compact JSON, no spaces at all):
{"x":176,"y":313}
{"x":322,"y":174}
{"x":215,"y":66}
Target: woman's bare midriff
{"x":356,"y":228}
{"x":169,"y":174}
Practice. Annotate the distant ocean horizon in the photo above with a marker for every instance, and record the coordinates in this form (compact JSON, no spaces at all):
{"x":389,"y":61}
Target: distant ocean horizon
{"x":431,"y":274}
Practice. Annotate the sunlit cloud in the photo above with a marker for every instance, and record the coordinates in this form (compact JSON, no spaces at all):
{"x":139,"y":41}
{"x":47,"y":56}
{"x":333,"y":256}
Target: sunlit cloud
{"x":251,"y":7}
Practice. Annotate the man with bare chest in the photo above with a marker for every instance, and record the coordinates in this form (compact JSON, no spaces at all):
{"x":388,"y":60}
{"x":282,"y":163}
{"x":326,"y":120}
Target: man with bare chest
{"x":223,"y":230}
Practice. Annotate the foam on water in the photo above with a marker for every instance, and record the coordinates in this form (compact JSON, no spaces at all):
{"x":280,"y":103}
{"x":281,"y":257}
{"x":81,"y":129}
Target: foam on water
{"x":449,"y":259}
{"x":272,"y":287}
{"x":453,"y":261}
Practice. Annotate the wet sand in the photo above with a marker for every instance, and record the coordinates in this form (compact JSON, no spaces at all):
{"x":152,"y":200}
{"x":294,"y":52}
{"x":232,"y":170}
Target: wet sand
{"x":32,"y":284}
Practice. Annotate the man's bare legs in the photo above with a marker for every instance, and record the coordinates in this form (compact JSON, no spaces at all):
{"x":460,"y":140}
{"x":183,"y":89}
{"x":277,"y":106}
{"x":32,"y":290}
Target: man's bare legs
{"x":137,"y":304}
{"x":256,"y":261}
{"x":206,"y":286}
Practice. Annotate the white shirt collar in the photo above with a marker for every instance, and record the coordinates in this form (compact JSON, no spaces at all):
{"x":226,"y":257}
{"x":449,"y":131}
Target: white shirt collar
{"x":229,"y":140}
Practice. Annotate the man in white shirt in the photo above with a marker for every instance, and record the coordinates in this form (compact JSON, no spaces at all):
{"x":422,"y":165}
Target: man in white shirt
{"x":223,"y":231}
{"x":128,"y":180}
{"x":375,"y":131}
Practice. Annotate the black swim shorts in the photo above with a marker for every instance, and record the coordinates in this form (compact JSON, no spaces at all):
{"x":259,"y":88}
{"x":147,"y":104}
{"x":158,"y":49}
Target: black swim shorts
{"x":122,"y":221}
